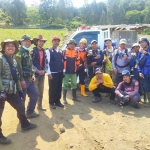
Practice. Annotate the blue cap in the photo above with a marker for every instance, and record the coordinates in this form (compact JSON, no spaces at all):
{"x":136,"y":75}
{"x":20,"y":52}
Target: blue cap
{"x":126,"y":73}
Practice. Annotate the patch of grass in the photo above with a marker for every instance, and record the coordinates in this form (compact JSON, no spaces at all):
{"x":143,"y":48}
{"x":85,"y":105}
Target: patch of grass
{"x":16,"y":34}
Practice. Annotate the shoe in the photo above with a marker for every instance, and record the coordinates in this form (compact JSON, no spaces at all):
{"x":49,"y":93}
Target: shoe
{"x":137,"y":106}
{"x":53,"y":106}
{"x":112,"y":101}
{"x":4,"y":140}
{"x":83,"y":90}
{"x":97,"y":99}
{"x":64,"y":96}
{"x":32,"y":115}
{"x":74,"y":96}
{"x":148,"y":103}
{"x":60,"y":105}
{"x":41,"y":108}
{"x":30,"y":127}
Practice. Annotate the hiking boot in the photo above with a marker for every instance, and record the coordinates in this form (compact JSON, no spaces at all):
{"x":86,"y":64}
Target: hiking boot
{"x":53,"y":106}
{"x":74,"y":96}
{"x":32,"y":115}
{"x":30,"y":127}
{"x":64,"y":96}
{"x":4,"y":140}
{"x":112,"y":101}
{"x":59,"y":105}
{"x":97,"y":99}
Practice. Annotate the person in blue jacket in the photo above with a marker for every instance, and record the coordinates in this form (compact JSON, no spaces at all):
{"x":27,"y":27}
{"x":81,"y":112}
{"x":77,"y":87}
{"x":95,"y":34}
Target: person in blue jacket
{"x":94,"y":59}
{"x":134,"y":68}
{"x":144,"y":66}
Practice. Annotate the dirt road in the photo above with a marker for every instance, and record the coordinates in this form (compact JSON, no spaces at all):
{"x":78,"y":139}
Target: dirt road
{"x":88,"y":126}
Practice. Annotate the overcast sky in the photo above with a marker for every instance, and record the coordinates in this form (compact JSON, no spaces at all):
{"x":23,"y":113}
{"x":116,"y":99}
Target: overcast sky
{"x":76,"y":3}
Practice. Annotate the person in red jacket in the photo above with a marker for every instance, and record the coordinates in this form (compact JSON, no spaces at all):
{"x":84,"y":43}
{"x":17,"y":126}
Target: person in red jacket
{"x":71,"y":62}
{"x":81,"y":69}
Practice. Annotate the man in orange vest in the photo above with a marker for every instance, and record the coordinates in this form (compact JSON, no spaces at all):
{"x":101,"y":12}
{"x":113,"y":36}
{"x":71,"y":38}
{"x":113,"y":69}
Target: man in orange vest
{"x":71,"y":62}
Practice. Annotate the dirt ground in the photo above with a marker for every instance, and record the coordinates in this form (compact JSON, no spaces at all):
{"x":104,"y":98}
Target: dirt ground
{"x":88,"y":126}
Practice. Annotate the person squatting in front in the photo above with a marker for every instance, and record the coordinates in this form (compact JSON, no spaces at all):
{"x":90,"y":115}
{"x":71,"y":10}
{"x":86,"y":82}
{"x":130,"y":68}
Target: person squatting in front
{"x":102,"y":82}
{"x":94,"y":58}
{"x":10,"y":88}
{"x":128,"y":91}
{"x":144,"y":66}
{"x":71,"y":62}
{"x":39,"y":63}
{"x":55,"y":73}
{"x":27,"y":78}
{"x":81,"y":71}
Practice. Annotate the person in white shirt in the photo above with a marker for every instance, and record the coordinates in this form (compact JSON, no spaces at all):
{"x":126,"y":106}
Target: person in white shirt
{"x":55,"y":73}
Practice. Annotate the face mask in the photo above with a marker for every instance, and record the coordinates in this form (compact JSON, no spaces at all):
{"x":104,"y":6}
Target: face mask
{"x":25,"y":48}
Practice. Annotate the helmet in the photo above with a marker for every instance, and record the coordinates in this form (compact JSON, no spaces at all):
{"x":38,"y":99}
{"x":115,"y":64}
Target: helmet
{"x":125,"y":73}
{"x":72,"y":41}
{"x":55,"y":38}
{"x":144,"y":39}
{"x":135,"y":45}
{"x":107,"y":39}
{"x":83,"y":40}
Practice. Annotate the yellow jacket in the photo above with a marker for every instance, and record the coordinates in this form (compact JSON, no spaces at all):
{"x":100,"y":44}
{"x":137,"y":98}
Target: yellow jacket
{"x":107,"y":82}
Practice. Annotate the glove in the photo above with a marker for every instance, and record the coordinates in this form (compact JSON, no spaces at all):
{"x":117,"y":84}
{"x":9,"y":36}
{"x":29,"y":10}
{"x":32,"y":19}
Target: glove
{"x":125,"y":99}
{"x":21,"y":95}
{"x":3,"y":96}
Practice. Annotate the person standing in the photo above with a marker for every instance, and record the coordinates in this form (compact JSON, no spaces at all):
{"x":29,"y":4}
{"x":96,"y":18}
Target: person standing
{"x":27,"y":78}
{"x":71,"y":62}
{"x":10,"y":88}
{"x":81,"y":69}
{"x":94,"y":59}
{"x":144,"y":66}
{"x":55,"y":73}
{"x":108,"y":54}
{"x":121,"y":60}
{"x":39,"y":62}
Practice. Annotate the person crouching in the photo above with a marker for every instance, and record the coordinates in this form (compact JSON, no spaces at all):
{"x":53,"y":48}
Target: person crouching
{"x":102,"y":82}
{"x":127,"y":91}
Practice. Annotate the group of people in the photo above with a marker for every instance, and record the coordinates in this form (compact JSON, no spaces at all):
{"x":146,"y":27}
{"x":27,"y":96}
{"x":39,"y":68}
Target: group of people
{"x":118,"y":71}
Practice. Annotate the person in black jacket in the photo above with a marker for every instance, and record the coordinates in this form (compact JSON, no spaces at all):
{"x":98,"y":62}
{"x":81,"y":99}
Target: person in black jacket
{"x":94,"y":59}
{"x":55,"y":73}
{"x":39,"y":60}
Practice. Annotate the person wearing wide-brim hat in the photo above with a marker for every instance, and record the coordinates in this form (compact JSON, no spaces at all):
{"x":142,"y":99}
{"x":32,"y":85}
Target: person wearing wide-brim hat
{"x":39,"y":61}
{"x":39,"y":38}
{"x":10,"y":88}
{"x":27,"y":78}
{"x":71,"y":62}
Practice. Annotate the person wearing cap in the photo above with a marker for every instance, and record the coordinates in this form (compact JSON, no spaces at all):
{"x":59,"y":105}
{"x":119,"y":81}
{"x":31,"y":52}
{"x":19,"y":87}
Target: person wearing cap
{"x":94,"y":58}
{"x":144,"y":66}
{"x":108,"y":53}
{"x":102,"y":82}
{"x":39,"y":63}
{"x":71,"y":63}
{"x":10,"y":88}
{"x":128,"y":91}
{"x":121,"y":60}
{"x":81,"y":69}
{"x":55,"y":73}
{"x":27,"y":78}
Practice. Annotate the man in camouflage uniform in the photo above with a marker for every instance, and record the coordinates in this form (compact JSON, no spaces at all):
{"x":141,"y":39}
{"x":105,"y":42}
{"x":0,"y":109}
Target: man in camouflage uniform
{"x":24,"y":66}
{"x":10,"y":88}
